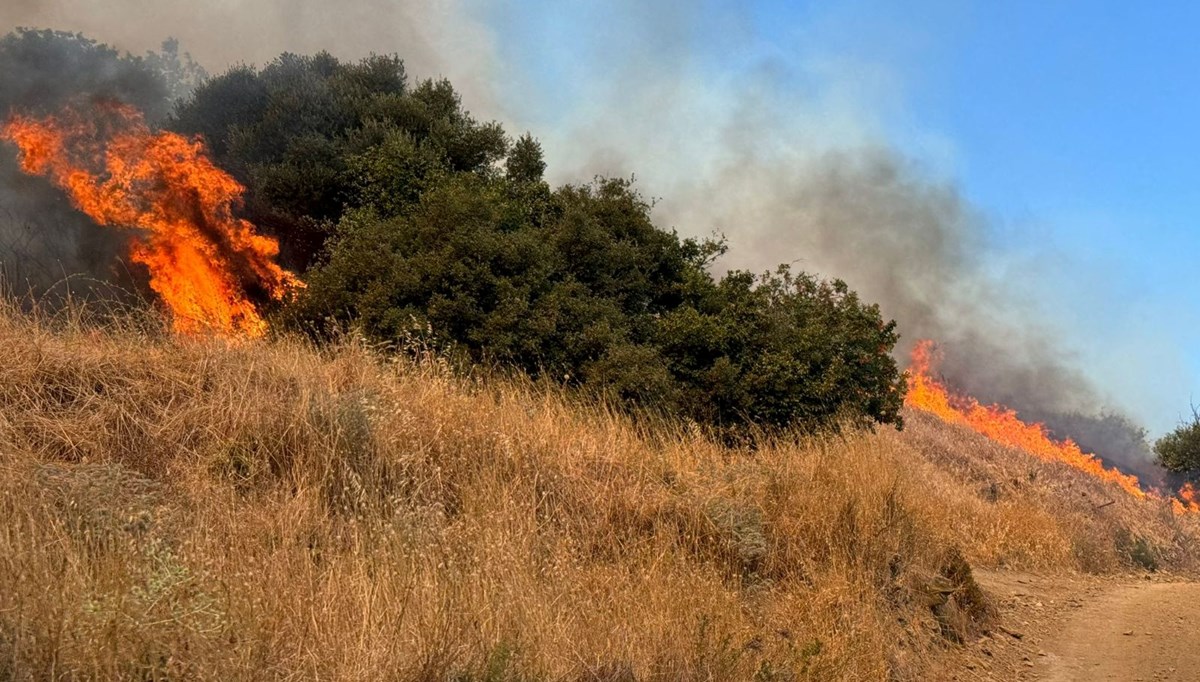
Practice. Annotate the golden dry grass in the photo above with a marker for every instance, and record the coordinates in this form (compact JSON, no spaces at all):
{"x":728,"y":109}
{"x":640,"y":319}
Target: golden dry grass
{"x":188,"y":509}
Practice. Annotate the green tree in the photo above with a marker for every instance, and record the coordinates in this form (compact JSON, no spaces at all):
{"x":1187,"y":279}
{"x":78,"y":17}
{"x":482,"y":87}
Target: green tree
{"x":1179,"y":450}
{"x":525,"y":162}
{"x":783,"y":349}
{"x":410,"y":217}
{"x":565,"y":285}
{"x":311,"y":136}
{"x":579,"y":285}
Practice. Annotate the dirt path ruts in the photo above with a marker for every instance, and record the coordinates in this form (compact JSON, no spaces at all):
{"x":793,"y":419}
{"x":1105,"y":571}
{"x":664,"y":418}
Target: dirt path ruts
{"x":1079,"y":629}
{"x":1146,"y":631}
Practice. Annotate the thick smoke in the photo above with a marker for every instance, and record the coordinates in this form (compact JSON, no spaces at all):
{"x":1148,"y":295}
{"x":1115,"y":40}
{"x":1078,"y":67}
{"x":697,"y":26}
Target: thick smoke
{"x":789,"y":160}
{"x":434,"y":38}
{"x":913,"y":246}
{"x":916,"y":247}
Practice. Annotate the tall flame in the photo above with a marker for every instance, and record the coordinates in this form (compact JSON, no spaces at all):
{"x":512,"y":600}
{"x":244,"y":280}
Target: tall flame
{"x":202,"y":259}
{"x":1000,"y":423}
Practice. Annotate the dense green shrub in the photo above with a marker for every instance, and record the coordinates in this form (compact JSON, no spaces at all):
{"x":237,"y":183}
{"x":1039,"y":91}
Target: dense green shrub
{"x":579,"y":285}
{"x":310,"y":136}
{"x":782,"y":349}
{"x":407,"y":217}
{"x":1179,"y":450}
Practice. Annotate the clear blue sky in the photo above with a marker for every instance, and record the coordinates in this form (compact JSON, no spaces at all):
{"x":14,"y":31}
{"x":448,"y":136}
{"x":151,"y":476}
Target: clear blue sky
{"x":1070,"y":126}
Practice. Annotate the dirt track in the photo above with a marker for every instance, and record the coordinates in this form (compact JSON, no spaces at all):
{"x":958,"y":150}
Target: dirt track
{"x":1077,"y":630}
{"x":1146,"y":631}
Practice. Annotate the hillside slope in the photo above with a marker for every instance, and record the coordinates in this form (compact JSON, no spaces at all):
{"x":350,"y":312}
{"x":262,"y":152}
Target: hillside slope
{"x":191,"y":509}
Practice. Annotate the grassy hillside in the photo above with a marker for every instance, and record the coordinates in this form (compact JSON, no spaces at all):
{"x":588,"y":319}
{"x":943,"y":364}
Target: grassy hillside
{"x":189,"y":509}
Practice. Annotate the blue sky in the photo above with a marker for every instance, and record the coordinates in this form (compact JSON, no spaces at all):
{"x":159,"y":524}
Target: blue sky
{"x":1080,"y":121}
{"x":1070,"y":127}
{"x":1075,"y":126}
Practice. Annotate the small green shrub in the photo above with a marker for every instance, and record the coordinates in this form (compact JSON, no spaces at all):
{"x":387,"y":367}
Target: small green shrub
{"x":1179,"y":450}
{"x":1137,"y":551}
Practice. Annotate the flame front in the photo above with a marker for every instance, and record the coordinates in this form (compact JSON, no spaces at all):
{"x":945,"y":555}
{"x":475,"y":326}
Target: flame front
{"x":1186,"y":500}
{"x":1000,"y":423}
{"x":200,"y":256}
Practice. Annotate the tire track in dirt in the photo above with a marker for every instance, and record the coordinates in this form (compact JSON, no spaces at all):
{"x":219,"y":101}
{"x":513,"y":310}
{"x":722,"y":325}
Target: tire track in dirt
{"x":1146,"y":631}
{"x":1083,"y":629}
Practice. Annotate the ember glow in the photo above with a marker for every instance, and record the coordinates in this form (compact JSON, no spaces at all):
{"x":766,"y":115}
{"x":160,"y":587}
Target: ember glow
{"x":202,"y":259}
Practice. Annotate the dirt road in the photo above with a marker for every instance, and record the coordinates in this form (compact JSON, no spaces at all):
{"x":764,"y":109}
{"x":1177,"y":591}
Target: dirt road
{"x":1136,"y":629}
{"x":1147,"y":631}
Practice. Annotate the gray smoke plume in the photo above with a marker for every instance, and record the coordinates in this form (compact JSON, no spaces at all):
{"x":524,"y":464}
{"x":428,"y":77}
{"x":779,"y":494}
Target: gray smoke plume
{"x":917,"y":248}
{"x":434,"y":38}
{"x":789,"y":163}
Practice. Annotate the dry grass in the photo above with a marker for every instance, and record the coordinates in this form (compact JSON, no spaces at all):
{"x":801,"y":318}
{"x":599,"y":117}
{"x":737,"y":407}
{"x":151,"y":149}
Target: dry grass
{"x":1018,"y":511}
{"x":187,"y":509}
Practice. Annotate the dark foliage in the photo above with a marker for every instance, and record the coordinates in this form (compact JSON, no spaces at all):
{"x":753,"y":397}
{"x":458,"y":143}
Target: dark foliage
{"x":310,"y":136}
{"x":1179,"y":450}
{"x":579,"y":285}
{"x":782,"y":349}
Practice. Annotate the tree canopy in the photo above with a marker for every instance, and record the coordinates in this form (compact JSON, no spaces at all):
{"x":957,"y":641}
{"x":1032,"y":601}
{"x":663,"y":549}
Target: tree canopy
{"x":311,"y":136}
{"x":1179,"y":450}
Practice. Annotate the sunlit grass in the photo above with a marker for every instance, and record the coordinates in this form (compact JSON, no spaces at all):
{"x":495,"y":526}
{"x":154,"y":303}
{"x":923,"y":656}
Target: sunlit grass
{"x":194,"y":509}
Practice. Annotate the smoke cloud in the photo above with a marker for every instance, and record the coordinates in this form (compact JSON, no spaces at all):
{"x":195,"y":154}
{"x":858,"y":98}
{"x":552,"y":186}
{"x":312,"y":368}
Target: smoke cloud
{"x":917,"y":248}
{"x":790,"y":160}
{"x":434,"y":38}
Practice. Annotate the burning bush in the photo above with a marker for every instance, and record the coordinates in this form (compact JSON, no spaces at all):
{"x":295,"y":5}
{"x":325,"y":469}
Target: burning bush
{"x":42,"y":238}
{"x":200,"y":258}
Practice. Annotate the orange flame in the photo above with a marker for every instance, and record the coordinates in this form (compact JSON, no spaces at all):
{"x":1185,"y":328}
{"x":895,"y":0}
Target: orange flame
{"x":1186,"y":500}
{"x":1000,"y":423}
{"x":201,"y":258}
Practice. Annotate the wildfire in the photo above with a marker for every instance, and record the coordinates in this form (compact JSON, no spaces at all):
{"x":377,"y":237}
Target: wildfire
{"x":1187,"y":499}
{"x":202,"y":259}
{"x":1000,"y":424}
